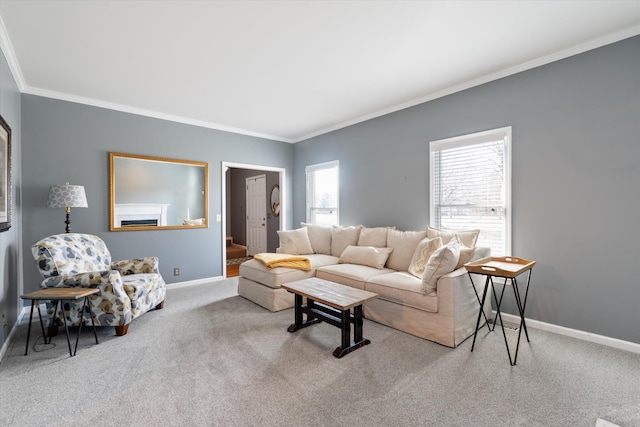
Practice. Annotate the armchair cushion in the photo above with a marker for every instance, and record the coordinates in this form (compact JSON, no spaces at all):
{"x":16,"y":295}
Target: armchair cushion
{"x":137,"y":266}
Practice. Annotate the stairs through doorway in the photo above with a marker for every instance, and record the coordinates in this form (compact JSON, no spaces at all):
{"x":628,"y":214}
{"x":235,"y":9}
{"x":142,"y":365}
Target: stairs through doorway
{"x":236,"y":255}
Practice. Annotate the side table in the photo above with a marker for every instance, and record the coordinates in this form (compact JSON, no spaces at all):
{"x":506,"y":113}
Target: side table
{"x":507,"y":268}
{"x":59,"y":295}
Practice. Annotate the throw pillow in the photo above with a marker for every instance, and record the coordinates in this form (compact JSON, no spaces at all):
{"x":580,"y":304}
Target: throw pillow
{"x":374,"y":236}
{"x":341,"y":237}
{"x":466,"y":255}
{"x":404,"y":244}
{"x":467,"y":237}
{"x":421,"y":256}
{"x":319,"y":237}
{"x":443,"y":261}
{"x":365,"y":255}
{"x":295,"y":242}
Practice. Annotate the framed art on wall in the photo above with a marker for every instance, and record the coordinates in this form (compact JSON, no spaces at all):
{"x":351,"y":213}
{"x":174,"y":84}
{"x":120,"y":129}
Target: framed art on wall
{"x":5,"y":175}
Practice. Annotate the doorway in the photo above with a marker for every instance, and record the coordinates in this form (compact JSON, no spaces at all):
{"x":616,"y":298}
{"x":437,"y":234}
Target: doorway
{"x":235,"y":207}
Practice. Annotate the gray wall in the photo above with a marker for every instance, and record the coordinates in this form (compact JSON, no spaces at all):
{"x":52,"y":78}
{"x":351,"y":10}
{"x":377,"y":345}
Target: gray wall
{"x":64,"y":141}
{"x":10,"y":244}
{"x":576,"y":203}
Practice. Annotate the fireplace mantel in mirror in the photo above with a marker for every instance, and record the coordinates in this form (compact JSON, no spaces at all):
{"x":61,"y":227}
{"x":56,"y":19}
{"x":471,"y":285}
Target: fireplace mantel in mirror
{"x":155,"y":193}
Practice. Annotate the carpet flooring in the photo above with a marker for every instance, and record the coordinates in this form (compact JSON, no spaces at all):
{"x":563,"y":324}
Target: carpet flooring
{"x":212,"y":358}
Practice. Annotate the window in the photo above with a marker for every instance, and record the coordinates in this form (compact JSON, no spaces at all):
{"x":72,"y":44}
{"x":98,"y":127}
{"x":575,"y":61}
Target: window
{"x":322,"y":193}
{"x":471,"y":186}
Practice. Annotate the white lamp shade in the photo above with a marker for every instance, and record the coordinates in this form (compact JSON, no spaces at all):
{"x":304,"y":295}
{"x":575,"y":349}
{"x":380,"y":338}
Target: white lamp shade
{"x":67,"y":196}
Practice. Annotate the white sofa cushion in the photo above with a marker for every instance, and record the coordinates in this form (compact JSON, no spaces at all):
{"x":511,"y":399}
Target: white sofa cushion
{"x":466,"y":237}
{"x":365,"y":255}
{"x":257,"y":271}
{"x":466,"y":255}
{"x":421,"y":256}
{"x":374,"y":236}
{"x":319,"y":237}
{"x":402,"y":288}
{"x":341,"y":237}
{"x":353,"y":275}
{"x":404,"y":244}
{"x":295,"y":242}
{"x":443,"y":261}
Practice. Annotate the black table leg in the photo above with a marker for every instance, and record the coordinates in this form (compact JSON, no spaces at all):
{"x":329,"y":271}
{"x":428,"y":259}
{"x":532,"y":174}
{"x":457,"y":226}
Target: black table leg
{"x":66,"y":326}
{"x":357,"y":323}
{"x":346,"y":328}
{"x":499,"y":316}
{"x":479,"y":302}
{"x":481,"y":312}
{"x":298,"y":310}
{"x":347,"y":346}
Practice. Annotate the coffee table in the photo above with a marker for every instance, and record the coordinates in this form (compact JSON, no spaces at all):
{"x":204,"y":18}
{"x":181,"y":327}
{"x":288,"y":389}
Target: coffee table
{"x":331,"y":303}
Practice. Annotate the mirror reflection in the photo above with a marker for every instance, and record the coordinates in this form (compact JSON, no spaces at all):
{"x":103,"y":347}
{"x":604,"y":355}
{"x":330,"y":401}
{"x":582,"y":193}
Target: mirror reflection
{"x":151,"y":193}
{"x":275,"y":200}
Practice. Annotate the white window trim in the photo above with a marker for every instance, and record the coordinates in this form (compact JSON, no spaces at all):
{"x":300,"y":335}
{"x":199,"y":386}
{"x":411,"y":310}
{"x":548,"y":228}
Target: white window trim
{"x":316,"y":167}
{"x":477,"y":138}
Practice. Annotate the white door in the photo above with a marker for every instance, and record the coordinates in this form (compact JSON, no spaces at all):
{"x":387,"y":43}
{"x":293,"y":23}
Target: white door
{"x":256,"y":215}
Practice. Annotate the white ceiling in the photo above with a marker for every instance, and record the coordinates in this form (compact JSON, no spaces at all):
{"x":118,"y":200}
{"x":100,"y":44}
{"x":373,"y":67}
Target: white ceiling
{"x":289,"y":70}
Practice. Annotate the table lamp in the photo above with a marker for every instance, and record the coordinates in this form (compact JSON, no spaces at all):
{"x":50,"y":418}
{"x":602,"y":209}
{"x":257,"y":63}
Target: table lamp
{"x":67,"y":196}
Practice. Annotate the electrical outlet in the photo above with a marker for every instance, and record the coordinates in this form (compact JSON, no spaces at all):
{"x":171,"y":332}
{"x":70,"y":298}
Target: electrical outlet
{"x":176,"y":271}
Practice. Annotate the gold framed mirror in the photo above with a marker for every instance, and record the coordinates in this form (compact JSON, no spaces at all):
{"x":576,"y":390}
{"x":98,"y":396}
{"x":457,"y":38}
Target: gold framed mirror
{"x":157,"y":193}
{"x":274,"y":201}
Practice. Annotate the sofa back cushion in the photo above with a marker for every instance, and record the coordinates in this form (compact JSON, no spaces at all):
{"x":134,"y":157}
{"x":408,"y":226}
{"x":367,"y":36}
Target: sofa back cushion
{"x":319,"y":237}
{"x":404,"y":244}
{"x":341,"y":237}
{"x":373,"y":236}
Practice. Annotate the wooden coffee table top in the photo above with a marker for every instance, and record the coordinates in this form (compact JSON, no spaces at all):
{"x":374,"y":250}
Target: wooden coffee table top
{"x":330,"y":293}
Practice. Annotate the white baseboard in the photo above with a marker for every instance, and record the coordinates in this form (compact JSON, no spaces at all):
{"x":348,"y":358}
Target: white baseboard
{"x":574,"y":333}
{"x":178,"y":285}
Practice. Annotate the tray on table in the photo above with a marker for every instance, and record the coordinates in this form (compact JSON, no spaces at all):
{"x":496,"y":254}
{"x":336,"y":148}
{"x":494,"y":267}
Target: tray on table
{"x":506,"y":266}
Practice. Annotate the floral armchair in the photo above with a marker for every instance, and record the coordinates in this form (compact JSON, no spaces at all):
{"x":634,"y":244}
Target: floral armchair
{"x":128,"y":288}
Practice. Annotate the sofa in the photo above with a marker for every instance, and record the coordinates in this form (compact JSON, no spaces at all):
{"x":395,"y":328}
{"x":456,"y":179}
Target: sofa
{"x":128,"y":288}
{"x":423,"y":288}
